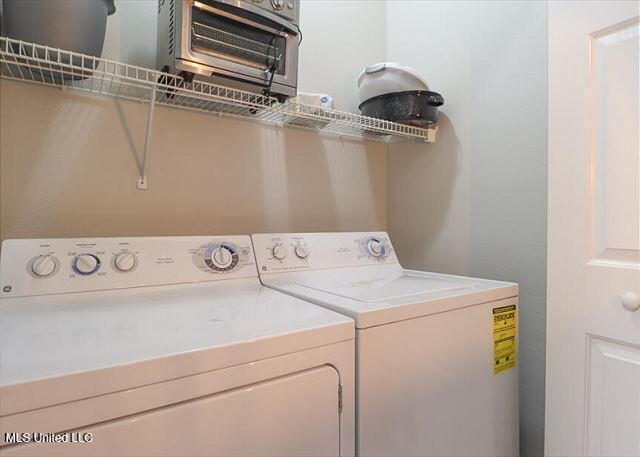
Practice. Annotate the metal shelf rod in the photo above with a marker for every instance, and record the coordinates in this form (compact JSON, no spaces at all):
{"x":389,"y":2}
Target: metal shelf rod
{"x":143,"y":182}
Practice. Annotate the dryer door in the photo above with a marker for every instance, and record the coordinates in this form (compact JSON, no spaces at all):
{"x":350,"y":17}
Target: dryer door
{"x":294,"y":415}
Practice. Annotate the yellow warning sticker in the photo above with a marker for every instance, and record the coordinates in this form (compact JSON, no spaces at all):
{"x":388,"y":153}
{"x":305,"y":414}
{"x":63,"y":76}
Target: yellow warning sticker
{"x":505,"y":325}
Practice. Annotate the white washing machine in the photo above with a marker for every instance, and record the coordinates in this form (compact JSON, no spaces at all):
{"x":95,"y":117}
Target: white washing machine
{"x":436,"y":354}
{"x":165,"y":346}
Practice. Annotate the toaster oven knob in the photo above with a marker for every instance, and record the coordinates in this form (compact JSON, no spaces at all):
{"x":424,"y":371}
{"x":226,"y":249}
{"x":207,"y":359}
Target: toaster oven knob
{"x":277,"y":4}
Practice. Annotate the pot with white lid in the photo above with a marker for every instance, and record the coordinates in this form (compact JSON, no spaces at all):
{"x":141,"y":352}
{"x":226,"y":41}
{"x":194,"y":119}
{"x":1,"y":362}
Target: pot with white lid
{"x":386,"y":77}
{"x":397,"y":93}
{"x":71,"y":25}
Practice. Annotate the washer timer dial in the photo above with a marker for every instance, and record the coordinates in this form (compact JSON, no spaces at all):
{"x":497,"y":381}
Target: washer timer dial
{"x":279,"y":252}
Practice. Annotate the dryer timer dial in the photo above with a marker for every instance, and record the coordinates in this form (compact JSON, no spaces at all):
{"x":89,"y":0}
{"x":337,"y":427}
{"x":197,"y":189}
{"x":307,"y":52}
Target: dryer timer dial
{"x":221,"y":257}
{"x":85,"y":264}
{"x":376,"y":248}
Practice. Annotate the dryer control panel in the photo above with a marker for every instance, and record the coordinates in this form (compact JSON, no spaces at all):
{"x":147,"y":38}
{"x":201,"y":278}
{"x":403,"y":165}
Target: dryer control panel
{"x":49,"y":266}
{"x":285,"y":252}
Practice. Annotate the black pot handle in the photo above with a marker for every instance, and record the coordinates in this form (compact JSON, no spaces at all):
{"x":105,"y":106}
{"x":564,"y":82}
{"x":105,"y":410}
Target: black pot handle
{"x":435,"y":100}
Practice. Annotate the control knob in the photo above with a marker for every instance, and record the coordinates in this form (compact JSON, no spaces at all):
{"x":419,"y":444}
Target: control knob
{"x":44,"y":265}
{"x":277,"y":4}
{"x":85,"y":264}
{"x":125,"y":261}
{"x":301,"y":251}
{"x":375,"y":248}
{"x":279,"y":252}
{"x":221,"y":257}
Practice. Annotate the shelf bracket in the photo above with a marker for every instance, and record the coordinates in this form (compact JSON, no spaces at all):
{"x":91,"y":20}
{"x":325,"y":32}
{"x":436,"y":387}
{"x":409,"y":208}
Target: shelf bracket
{"x":143,"y":182}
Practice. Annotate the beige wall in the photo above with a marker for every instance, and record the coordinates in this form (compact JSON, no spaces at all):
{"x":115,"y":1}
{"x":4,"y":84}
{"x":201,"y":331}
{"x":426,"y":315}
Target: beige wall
{"x":67,"y":169}
{"x":67,"y":166}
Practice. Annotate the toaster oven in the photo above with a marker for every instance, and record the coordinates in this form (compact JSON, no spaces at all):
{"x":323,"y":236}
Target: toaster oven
{"x":250,"y":45}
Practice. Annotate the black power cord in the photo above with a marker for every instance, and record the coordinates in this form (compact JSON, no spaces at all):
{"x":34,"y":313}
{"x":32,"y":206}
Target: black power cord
{"x":299,"y":33}
{"x":273,"y":66}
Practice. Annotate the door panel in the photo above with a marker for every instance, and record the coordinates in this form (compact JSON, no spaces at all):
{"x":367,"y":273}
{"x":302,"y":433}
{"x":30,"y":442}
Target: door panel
{"x":614,"y":97}
{"x":295,"y":415}
{"x":593,"y":336}
{"x":613,"y":398}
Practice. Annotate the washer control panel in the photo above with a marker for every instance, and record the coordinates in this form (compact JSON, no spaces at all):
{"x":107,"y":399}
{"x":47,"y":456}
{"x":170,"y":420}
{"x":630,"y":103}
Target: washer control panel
{"x":48,"y":266}
{"x":283,"y":252}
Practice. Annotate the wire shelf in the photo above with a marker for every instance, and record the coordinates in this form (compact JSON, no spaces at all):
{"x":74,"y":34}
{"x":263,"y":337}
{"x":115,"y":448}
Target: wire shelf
{"x":39,"y":64}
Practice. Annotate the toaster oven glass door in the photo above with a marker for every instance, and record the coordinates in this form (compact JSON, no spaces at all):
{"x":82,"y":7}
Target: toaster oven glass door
{"x":239,"y":39}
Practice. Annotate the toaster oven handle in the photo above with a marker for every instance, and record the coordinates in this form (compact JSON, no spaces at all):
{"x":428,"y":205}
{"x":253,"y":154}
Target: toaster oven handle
{"x":284,"y":25}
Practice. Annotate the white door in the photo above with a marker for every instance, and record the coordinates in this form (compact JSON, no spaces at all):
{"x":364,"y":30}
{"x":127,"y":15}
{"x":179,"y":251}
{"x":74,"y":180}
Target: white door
{"x":593,"y":322}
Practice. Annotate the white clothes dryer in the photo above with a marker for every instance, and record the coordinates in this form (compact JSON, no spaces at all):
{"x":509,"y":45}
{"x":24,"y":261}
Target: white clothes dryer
{"x":165,"y":346}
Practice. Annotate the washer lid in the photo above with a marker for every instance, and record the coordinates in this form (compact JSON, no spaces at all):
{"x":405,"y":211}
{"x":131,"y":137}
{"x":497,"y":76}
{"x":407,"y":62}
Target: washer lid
{"x":100,"y":342}
{"x":390,"y":287}
{"x":382,"y":294}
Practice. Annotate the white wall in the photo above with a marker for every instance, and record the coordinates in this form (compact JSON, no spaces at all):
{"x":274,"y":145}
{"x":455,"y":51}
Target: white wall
{"x":340,"y":38}
{"x":475,"y":202}
{"x":68,"y":164}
